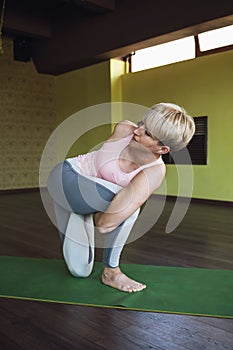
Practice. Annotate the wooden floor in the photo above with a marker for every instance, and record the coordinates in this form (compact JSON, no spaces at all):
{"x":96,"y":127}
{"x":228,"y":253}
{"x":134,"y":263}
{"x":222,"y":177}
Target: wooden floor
{"x":203,"y":239}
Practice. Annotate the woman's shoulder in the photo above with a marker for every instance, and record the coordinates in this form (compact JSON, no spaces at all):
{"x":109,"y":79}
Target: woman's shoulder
{"x":123,"y":129}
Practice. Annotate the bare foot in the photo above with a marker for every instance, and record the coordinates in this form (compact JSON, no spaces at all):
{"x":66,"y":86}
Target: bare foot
{"x":117,"y":279}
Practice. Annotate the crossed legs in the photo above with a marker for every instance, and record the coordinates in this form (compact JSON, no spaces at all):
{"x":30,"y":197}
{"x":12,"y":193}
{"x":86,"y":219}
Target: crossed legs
{"x":75,"y":200}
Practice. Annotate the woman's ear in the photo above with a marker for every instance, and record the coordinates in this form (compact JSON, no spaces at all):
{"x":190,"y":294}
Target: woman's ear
{"x":163,"y":150}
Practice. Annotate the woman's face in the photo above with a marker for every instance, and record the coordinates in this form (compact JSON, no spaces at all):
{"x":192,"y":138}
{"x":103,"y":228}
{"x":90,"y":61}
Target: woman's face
{"x":144,"y":137}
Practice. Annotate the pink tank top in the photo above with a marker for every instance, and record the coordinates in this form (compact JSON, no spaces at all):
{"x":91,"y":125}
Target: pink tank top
{"x":104,"y":163}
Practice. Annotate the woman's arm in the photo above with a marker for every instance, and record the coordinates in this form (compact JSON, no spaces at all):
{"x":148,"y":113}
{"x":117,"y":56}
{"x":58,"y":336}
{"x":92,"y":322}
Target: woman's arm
{"x":130,"y":198}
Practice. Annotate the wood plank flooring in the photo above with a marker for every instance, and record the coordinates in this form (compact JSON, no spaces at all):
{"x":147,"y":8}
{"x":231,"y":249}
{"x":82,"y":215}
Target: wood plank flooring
{"x":203,"y":239}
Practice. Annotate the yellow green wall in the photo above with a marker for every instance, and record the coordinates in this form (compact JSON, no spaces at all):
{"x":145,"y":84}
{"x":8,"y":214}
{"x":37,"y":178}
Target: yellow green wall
{"x":32,"y":105}
{"x":81,"y":89}
{"x":117,"y":71}
{"x":86,"y":87}
{"x":203,"y":86}
{"x":27,"y":118}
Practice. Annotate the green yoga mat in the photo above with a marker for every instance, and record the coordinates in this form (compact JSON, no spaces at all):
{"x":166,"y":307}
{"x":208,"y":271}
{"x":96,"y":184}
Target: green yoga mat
{"x":192,"y":291}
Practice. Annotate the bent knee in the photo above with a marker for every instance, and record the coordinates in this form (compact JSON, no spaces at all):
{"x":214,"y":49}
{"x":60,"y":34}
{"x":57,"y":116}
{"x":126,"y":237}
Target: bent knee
{"x":76,"y":271}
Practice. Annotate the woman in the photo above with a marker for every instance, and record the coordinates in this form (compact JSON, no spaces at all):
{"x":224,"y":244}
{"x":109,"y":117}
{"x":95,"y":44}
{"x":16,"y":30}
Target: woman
{"x":106,"y":189}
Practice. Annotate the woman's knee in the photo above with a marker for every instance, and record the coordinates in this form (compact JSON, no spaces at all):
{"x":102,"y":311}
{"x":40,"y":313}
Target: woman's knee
{"x":77,"y":257}
{"x":79,"y":271}
{"x":78,"y":267}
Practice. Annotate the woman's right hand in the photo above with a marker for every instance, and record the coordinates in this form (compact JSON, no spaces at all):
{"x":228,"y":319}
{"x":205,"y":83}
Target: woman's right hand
{"x":103,"y":227}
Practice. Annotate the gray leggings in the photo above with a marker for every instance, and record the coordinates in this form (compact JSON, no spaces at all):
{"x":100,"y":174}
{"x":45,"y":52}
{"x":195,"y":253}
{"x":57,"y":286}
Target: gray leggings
{"x":76,"y":197}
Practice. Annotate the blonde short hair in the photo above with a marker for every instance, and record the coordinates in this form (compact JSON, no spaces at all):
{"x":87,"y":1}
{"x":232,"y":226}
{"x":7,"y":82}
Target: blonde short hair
{"x":170,"y":124}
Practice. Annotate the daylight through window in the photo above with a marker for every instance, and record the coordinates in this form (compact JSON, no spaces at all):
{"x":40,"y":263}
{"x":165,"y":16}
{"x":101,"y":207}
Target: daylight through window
{"x":159,"y":55}
{"x":181,"y":49}
{"x":216,"y":38}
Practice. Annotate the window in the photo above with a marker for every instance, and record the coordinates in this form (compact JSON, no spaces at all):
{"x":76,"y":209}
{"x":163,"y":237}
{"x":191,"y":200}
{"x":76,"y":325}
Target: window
{"x":216,"y":38}
{"x":182,"y":49}
{"x":159,"y":55}
{"x":197,"y":147}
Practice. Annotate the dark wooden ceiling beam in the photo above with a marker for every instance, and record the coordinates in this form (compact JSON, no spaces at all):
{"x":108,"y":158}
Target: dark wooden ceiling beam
{"x":28,"y":21}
